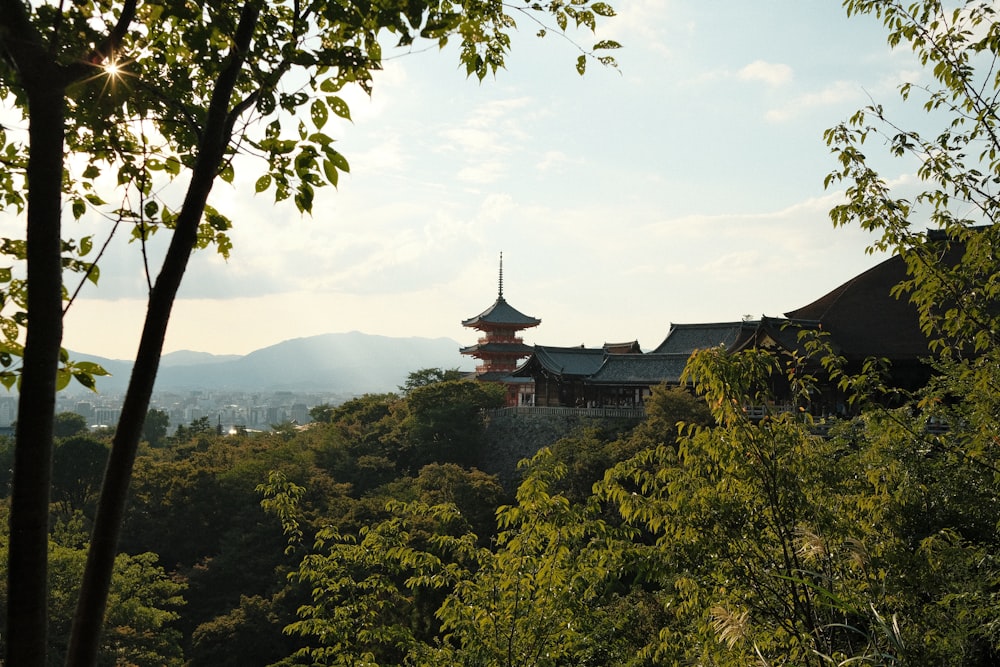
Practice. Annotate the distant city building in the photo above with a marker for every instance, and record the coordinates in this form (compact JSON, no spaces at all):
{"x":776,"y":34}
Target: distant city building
{"x":300,"y":413}
{"x":106,"y":416}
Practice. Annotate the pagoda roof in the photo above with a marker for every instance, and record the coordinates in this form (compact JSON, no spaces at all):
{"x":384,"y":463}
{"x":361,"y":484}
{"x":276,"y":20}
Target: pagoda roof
{"x":502,"y":313}
{"x":563,"y":361}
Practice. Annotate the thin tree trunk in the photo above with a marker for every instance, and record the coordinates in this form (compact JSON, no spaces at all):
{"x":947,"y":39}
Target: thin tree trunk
{"x":27,"y":599}
{"x":215,"y":137}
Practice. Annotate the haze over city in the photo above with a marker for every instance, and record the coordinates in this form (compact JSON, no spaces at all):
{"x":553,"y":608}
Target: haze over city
{"x":685,"y":186}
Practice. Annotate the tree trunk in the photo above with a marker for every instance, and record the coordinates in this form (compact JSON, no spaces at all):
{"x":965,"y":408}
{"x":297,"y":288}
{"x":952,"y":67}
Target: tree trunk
{"x":27,"y":600}
{"x":215,"y":137}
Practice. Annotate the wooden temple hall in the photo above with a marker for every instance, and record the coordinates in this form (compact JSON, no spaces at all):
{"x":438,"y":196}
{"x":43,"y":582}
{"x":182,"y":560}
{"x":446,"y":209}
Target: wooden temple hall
{"x":861,"y":318}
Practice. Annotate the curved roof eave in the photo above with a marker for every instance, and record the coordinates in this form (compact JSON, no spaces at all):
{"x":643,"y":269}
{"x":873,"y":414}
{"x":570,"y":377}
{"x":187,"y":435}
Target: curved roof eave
{"x":502,"y":313}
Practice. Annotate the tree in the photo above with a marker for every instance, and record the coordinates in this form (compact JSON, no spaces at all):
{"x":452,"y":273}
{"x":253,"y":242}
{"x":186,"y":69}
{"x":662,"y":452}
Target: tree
{"x":416,"y":588}
{"x":957,"y":161}
{"x":145,"y":601}
{"x":322,"y":413}
{"x":444,"y":423}
{"x":154,"y":429}
{"x":68,"y":424}
{"x":148,"y":90}
{"x":426,"y":376}
{"x":77,"y":467}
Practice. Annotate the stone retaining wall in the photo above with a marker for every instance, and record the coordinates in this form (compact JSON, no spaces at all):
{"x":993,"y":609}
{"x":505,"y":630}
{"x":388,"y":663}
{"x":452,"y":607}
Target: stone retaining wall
{"x":514,"y":434}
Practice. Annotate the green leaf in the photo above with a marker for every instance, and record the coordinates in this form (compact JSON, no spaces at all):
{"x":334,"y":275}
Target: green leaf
{"x":304,"y":199}
{"x":607,"y":44}
{"x":581,"y":65}
{"x":332,"y":84}
{"x":339,"y":161}
{"x":263,"y":183}
{"x":330,"y":171}
{"x":62,"y":379}
{"x":319,"y":114}
{"x":603,"y":9}
{"x":7,"y":379}
{"x":172,"y":165}
{"x":79,"y":207}
{"x":339,"y":107}
{"x":86,"y":380}
{"x":86,"y":245}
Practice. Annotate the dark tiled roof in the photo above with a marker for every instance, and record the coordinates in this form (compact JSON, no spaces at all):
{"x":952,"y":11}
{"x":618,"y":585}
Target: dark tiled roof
{"x":563,"y":361}
{"x":865,"y":319}
{"x":519,"y":349}
{"x":777,"y":331}
{"x":640,"y":369}
{"x":500,"y":376}
{"x":502,"y":312}
{"x":623,"y":348}
{"x":686,"y":338}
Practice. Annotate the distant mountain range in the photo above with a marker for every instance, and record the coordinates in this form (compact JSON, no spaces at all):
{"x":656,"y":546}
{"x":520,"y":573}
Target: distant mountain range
{"x":343,"y":362}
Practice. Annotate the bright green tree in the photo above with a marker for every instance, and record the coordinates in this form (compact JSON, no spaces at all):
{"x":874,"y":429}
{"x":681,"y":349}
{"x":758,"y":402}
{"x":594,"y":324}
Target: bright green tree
{"x":416,"y":588}
{"x":144,"y":603}
{"x":146,"y":91}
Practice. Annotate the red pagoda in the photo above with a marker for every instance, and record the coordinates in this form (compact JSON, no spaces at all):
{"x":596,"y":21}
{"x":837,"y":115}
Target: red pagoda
{"x":500,"y":349}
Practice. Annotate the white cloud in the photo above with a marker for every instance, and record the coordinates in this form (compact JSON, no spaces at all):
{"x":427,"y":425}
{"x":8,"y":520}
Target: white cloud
{"x":773,"y":74}
{"x":552,"y":161}
{"x":831,"y":96}
{"x":651,"y":23}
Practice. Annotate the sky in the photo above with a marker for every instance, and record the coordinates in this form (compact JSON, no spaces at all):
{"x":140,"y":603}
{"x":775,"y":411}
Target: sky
{"x":684,"y":186}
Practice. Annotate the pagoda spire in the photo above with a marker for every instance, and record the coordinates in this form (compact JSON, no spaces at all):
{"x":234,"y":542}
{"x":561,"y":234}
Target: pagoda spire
{"x":500,"y":292}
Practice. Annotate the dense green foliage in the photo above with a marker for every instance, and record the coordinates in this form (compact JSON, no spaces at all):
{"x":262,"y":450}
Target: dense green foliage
{"x":705,"y":535}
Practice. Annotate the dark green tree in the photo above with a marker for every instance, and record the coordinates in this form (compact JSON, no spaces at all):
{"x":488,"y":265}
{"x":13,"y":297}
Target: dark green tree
{"x":322,"y":413}
{"x":68,"y":424}
{"x":426,"y":376}
{"x":77,"y":468}
{"x":444,"y":422}
{"x":154,"y":429}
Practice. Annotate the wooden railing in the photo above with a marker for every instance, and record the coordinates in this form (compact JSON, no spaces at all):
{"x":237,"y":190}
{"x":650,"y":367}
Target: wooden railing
{"x":534,"y":410}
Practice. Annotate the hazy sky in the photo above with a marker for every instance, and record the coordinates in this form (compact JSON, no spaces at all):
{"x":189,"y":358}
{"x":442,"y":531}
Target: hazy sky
{"x":686,"y":186}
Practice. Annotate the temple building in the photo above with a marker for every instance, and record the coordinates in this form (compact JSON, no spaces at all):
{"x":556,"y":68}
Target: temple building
{"x":500,"y":348}
{"x":861,"y":319}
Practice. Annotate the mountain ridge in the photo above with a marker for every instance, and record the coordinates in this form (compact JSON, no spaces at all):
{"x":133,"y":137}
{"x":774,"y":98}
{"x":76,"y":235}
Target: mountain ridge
{"x":352,"y":362}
